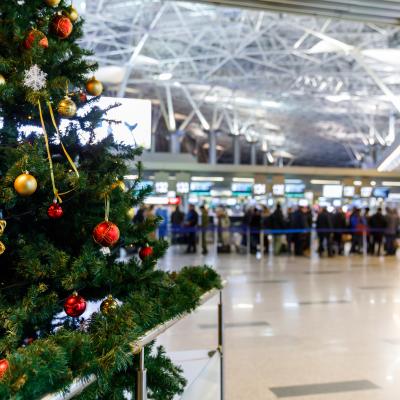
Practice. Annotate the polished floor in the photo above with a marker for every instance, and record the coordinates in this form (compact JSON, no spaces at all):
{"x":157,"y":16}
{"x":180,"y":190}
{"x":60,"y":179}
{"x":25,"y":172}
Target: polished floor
{"x":300,"y":328}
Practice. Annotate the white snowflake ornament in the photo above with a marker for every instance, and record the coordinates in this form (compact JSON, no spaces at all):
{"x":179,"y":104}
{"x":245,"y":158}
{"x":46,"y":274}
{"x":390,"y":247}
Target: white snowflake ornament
{"x":35,"y":78}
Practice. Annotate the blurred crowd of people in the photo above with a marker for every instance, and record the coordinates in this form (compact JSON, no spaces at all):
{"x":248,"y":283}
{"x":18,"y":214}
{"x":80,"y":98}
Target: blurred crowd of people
{"x":284,"y":232}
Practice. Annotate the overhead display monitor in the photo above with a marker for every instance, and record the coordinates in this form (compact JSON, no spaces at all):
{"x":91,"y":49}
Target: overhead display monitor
{"x":278,"y":189}
{"x":297,"y":188}
{"x":349,"y":191}
{"x":260,"y":188}
{"x":381,"y":192}
{"x":245,"y":188}
{"x":182,"y":187}
{"x":332,"y":191}
{"x":366,"y":191}
{"x":200,"y":186}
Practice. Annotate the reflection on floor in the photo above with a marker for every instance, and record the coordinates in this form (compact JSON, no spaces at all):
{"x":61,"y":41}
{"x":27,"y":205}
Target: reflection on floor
{"x":300,"y":328}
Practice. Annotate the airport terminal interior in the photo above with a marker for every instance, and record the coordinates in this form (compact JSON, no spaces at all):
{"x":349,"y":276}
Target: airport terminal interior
{"x":200,"y":199}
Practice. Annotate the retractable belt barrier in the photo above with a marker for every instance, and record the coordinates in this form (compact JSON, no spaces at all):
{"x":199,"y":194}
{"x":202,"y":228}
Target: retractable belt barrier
{"x":245,"y":229}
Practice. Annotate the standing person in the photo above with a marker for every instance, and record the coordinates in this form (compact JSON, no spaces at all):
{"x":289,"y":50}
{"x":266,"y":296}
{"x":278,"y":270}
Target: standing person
{"x":177,"y":218}
{"x":224,"y":235}
{"x":162,"y":213}
{"x":246,"y":225}
{"x":289,"y":225}
{"x":140,"y":215}
{"x":378,"y":225}
{"x":299,"y":223}
{"x":255,"y":226}
{"x":191,"y":222}
{"x":204,"y":226}
{"x":324,"y":228}
{"x":339,"y":226}
{"x":266,"y":224}
{"x":366,"y":218}
{"x":357,"y":228}
{"x":151,"y":217}
{"x":277,"y":223}
{"x":392,"y":225}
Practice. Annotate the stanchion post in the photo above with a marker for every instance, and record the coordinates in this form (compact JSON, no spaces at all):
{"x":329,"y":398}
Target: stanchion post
{"x":262,"y":249}
{"x":365,"y":242}
{"x":141,"y":378}
{"x":221,"y":344}
{"x":248,"y":239}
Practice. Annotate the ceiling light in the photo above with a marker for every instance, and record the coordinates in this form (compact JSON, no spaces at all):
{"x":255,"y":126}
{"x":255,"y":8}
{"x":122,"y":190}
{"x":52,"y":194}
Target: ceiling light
{"x":165,"y":76}
{"x":357,"y":183}
{"x":243,"y":180}
{"x":207,"y":179}
{"x":390,"y":183}
{"x":131,"y":177}
{"x":324,"y":182}
{"x":372,"y":183}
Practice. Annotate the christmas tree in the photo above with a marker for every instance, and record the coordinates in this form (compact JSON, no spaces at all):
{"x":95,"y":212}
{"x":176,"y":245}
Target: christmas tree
{"x":64,"y":217}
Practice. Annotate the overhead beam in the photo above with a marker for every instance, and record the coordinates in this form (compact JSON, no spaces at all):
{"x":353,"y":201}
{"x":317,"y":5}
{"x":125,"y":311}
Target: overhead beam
{"x":387,"y":12}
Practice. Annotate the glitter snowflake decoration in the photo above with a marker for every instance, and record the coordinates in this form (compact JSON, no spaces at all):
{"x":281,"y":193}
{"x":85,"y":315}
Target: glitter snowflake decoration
{"x":35,"y":78}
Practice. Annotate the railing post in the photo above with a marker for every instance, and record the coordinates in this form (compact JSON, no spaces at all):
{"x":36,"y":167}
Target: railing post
{"x":141,"y":378}
{"x":221,"y":343}
{"x":262,"y":244}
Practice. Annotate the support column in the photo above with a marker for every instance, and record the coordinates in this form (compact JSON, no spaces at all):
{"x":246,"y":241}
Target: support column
{"x":221,"y":326}
{"x":175,"y":143}
{"x":153,"y":142}
{"x":236,"y":149}
{"x":212,"y":150}
{"x":253,"y":153}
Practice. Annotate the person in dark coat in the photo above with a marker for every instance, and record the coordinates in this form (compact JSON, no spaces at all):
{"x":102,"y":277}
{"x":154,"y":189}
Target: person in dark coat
{"x":378,"y":225}
{"x":277,"y":222}
{"x":300,"y":222}
{"x":191,"y":222}
{"x":339,"y":225}
{"x":177,"y":218}
{"x":289,"y":225}
{"x":324,"y":229}
{"x":255,"y":226}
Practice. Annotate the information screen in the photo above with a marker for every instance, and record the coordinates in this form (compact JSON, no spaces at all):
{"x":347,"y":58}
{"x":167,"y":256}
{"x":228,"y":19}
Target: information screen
{"x":332,"y":191}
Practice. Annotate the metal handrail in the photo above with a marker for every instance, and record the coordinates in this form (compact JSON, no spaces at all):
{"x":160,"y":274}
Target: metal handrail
{"x":79,"y":385}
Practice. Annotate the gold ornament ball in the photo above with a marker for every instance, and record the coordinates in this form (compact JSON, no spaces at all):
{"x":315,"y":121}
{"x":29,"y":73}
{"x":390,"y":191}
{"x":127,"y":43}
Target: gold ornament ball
{"x":131,"y":213}
{"x":2,"y":80}
{"x":72,"y":14}
{"x":66,"y":108}
{"x":52,"y":3}
{"x":2,"y":248}
{"x":108,"y":306}
{"x":25,"y":184}
{"x":94,"y":87}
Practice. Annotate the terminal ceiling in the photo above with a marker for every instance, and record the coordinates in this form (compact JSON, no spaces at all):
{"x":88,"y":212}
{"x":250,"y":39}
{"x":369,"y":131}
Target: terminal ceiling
{"x":309,"y":90}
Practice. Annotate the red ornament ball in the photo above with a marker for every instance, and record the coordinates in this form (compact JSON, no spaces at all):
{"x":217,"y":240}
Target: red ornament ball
{"x":35,"y":37}
{"x":146,"y":251}
{"x":75,"y":305}
{"x":61,"y":26}
{"x":4,"y":364}
{"x":106,"y":234}
{"x":82,"y":97}
{"x":55,"y":211}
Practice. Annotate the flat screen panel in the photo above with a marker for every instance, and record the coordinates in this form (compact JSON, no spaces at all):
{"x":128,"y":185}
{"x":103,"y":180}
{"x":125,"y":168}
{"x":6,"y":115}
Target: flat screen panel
{"x":332,"y":191}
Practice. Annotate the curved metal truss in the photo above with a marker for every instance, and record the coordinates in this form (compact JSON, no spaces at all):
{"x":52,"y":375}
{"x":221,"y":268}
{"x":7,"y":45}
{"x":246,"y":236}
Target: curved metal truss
{"x":313,"y":91}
